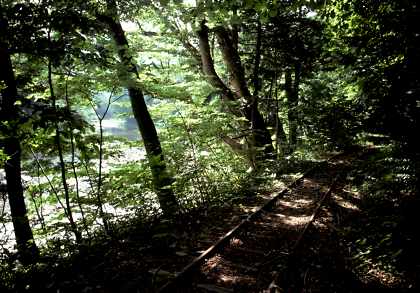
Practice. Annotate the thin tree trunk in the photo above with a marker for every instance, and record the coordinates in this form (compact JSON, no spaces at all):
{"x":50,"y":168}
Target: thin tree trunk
{"x":161,"y":178}
{"x":128,"y":76}
{"x":292,"y":87}
{"x":255,"y":74}
{"x":26,"y":246}
{"x":73,"y":164}
{"x":101,"y":152}
{"x":73,"y":224}
{"x":281,"y":138}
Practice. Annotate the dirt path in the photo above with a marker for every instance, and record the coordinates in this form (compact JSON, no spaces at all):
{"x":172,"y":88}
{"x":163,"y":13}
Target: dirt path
{"x":264,"y":253}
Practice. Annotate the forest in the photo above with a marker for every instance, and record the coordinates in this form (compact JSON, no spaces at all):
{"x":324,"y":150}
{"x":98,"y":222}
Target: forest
{"x":209,"y":146}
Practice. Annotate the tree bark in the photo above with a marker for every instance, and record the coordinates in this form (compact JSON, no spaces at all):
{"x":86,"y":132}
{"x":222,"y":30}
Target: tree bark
{"x":207,"y":62}
{"x":260,"y":145}
{"x":257,"y":60}
{"x":273,"y":119}
{"x":28,"y":251}
{"x":128,"y":76}
{"x":233,"y":63}
{"x":261,"y":138}
{"x":26,"y":246}
{"x":292,"y":95}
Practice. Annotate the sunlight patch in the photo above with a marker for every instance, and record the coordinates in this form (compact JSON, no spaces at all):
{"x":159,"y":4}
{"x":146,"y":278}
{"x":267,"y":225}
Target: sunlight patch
{"x":236,"y":242}
{"x":387,"y":279}
{"x":296,"y":203}
{"x":211,"y":263}
{"x":345,"y":203}
{"x":296,"y":221}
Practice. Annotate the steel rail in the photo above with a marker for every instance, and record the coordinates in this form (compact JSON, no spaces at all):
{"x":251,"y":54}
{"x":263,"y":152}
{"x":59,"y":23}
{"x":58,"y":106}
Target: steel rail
{"x":222,"y":241}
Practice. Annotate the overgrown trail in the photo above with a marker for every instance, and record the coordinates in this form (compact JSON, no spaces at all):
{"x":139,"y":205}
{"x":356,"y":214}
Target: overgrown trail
{"x":286,"y":241}
{"x":261,"y":251}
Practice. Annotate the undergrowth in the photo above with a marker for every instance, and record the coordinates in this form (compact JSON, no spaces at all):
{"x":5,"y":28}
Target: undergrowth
{"x":382,"y":238}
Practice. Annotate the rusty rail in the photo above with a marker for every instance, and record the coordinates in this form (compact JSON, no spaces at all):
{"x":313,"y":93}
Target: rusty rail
{"x":219,"y":244}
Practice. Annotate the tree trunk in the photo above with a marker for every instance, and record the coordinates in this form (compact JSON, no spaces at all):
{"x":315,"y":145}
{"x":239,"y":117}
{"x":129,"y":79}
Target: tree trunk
{"x":260,"y":144}
{"x":207,"y":63}
{"x":73,"y":224}
{"x":28,"y":252}
{"x":273,"y":120}
{"x":256,"y":82}
{"x":261,"y":138}
{"x":292,"y":95}
{"x":128,"y":76}
{"x":24,"y":238}
{"x":161,"y":178}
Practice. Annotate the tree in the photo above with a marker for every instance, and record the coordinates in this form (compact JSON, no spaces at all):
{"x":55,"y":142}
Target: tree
{"x":128,"y":75}
{"x":227,"y":39}
{"x":249,"y":52}
{"x":233,"y":86}
{"x":10,"y":142}
{"x":292,"y":43}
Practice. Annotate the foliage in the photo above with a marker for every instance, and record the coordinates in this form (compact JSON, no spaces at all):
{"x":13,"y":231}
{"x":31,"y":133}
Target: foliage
{"x":380,"y":37}
{"x":351,"y":67}
{"x":382,"y":240}
{"x":3,"y":157}
{"x":206,"y":169}
{"x":332,"y":109}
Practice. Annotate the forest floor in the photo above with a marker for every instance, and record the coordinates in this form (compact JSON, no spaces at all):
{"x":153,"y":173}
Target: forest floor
{"x":357,"y":242}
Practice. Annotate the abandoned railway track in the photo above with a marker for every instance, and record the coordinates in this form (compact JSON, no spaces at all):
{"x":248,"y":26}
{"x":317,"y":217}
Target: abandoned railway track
{"x":241,"y":259}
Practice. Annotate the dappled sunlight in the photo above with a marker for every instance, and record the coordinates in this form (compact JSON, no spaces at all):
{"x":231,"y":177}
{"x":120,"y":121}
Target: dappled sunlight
{"x":345,"y":203}
{"x":227,"y":279}
{"x":299,"y":203}
{"x":296,"y":220}
{"x":339,"y":162}
{"x":291,"y":220}
{"x":373,"y":273}
{"x":232,"y":279}
{"x":347,"y":199}
{"x":222,"y":273}
{"x":324,"y":221}
{"x":249,"y":209}
{"x":387,"y":279}
{"x":236,"y":242}
{"x":211,"y":263}
{"x":353,"y":193}
{"x":310,"y":183}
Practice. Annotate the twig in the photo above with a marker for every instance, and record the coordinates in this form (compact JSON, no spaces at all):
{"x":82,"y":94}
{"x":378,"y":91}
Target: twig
{"x":49,"y":181}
